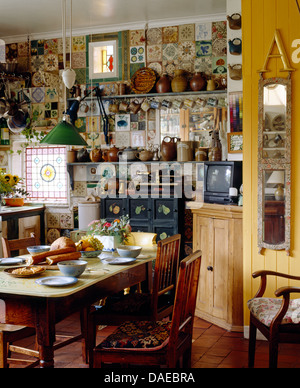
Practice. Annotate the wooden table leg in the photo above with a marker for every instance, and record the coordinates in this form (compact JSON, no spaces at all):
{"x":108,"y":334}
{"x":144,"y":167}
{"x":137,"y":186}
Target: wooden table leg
{"x":45,"y":331}
{"x":84,"y":331}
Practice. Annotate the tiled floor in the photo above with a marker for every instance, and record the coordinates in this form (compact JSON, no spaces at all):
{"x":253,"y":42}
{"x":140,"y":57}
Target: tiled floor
{"x":213,"y":347}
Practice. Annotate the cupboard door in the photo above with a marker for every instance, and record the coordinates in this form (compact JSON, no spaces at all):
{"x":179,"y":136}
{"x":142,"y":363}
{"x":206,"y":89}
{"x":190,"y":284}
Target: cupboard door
{"x":219,"y":273}
{"x":113,"y":208}
{"x":28,"y":225}
{"x":201,"y":237}
{"x":139,"y":210}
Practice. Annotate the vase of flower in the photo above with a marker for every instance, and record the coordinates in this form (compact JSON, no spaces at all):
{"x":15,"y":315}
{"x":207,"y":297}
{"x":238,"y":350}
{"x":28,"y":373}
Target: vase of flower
{"x":12,"y":189}
{"x":111,"y":234}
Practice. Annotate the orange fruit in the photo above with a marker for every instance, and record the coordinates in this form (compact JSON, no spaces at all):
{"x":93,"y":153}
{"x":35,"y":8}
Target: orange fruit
{"x":89,"y":249}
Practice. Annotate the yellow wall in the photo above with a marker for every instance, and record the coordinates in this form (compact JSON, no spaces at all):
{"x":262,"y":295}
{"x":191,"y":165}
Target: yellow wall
{"x":260,"y":18}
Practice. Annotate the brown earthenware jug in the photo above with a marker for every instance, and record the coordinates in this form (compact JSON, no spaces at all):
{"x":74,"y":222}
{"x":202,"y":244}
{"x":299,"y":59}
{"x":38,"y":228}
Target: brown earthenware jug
{"x":169,"y":148}
{"x":197,"y":82}
{"x":163,"y":85}
{"x":112,"y":154}
{"x":179,"y":82}
{"x":96,"y":155}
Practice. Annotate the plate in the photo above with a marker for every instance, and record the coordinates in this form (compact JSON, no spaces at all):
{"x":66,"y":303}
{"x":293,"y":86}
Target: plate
{"x":57,"y":281}
{"x":10,"y":270}
{"x":143,"y":80}
{"x":12,"y":261}
{"x":120,"y":260}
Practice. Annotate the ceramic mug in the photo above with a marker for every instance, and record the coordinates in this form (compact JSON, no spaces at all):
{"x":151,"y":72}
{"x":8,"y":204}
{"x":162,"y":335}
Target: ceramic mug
{"x":166,"y":104}
{"x":201,"y":102}
{"x":189,"y":103}
{"x":123,"y":106}
{"x":155,"y":105}
{"x":145,"y":106}
{"x":135,"y":107}
{"x":177,"y":104}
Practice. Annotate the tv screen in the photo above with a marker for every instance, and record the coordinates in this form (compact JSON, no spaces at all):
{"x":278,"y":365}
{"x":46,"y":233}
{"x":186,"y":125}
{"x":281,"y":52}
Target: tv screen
{"x":218,"y":178}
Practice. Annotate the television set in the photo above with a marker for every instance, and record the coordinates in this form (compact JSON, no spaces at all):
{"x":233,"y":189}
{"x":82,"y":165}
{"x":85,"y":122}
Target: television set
{"x":219,"y":177}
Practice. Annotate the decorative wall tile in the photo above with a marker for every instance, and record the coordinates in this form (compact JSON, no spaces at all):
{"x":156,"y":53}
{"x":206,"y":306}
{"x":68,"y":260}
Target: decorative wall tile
{"x":50,"y":46}
{"x":80,"y":76}
{"x":53,"y":220}
{"x":79,"y":189}
{"x":66,"y":221}
{"x":154,"y":36}
{"x":38,"y":111}
{"x":80,"y":124}
{"x":51,"y":62}
{"x":37,"y":63}
{"x":203,"y":48}
{"x":51,"y":94}
{"x":154,"y":53}
{"x":80,"y":174}
{"x":37,"y":95}
{"x":93,"y":139}
{"x":203,"y":31}
{"x":79,"y":44}
{"x":219,"y":47}
{"x":137,"y":54}
{"x":156,"y":66}
{"x":219,"y":38}
{"x":219,"y":65}
{"x":186,"y":32}
{"x":23,"y":49}
{"x":51,"y":110}
{"x":122,"y":139}
{"x":170,"y":51}
{"x":60,"y":49}
{"x":169,"y":67}
{"x":52,"y":235}
{"x":170,"y":34}
{"x":11,"y":53}
{"x":186,"y":51}
{"x":137,"y":37}
{"x":93,"y":124}
{"x":78,"y":60}
{"x":188,"y":66}
{"x":204,"y":65}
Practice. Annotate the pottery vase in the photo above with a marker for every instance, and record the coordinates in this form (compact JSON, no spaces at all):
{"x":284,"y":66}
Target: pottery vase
{"x":169,"y":149}
{"x":96,"y":155}
{"x":163,"y":85}
{"x":197,"y":82}
{"x":110,"y":243}
{"x":83,"y":155}
{"x":179,"y":82}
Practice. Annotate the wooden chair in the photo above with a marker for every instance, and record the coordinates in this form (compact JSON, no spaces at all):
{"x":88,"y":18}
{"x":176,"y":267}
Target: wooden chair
{"x":9,"y":246}
{"x":160,"y":343}
{"x":142,"y":306}
{"x":277,"y":319}
{"x":12,"y":333}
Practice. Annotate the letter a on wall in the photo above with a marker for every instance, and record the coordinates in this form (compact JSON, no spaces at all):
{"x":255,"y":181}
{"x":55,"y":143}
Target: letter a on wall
{"x":281,"y":54}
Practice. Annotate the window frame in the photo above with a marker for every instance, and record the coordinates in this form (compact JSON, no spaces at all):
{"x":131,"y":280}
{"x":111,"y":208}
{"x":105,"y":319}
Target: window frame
{"x":115,"y":73}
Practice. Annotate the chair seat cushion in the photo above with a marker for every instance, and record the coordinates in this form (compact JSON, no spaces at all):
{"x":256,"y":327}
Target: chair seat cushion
{"x":138,"y":335}
{"x":265,"y":309}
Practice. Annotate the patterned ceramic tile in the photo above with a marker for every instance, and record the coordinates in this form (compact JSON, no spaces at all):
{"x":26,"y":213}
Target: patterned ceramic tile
{"x":38,"y":112}
{"x":219,"y":47}
{"x":23,"y":65}
{"x":11,"y":52}
{"x":80,"y":124}
{"x":51,"y":95}
{"x":169,"y":67}
{"x":203,"y":31}
{"x":93,"y":139}
{"x":170,"y":51}
{"x":79,"y":189}
{"x":203,"y":48}
{"x":78,"y":60}
{"x":52,"y":80}
{"x":93,"y":124}
{"x":156,"y":66}
{"x":51,"y":110}
{"x":204,"y":65}
{"x":219,"y":38}
{"x":137,"y":54}
{"x":50,"y":46}
{"x":154,"y":36}
{"x":80,"y":173}
{"x":122,"y":139}
{"x":188,"y":66}
{"x":23,"y":49}
{"x":51,"y":62}
{"x":60,"y":49}
{"x":66,"y":221}
{"x":170,"y":34}
{"x":186,"y":51}
{"x":80,"y":76}
{"x":37,"y":95}
{"x":154,"y":53}
{"x":37,"y":63}
{"x":137,"y":38}
{"x":219,"y":65}
{"x":52,"y":235}
{"x":134,"y":67}
{"x":53,"y":220}
{"x":186,"y":32}
{"x":79,"y":44}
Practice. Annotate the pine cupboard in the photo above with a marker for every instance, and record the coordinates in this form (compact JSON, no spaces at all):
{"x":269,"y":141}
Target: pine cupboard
{"x":218,"y":233}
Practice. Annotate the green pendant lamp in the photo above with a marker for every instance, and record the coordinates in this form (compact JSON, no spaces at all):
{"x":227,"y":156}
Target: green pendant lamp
{"x":64,"y":134}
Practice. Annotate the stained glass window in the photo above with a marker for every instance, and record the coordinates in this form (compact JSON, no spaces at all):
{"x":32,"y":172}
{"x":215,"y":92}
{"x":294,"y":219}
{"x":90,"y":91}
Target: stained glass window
{"x":46,"y":173}
{"x":103,"y":59}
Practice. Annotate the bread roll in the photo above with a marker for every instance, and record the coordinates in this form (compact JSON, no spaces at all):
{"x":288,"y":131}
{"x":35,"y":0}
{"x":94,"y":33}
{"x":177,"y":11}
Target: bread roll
{"x":62,"y":242}
{"x":67,"y":256}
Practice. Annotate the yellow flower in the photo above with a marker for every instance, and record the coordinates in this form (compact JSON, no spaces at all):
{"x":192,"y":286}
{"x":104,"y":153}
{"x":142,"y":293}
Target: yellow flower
{"x":8,"y":179}
{"x":15,"y":179}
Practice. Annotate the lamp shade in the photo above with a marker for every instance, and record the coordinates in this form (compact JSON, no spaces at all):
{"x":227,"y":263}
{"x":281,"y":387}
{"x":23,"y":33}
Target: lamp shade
{"x":69,"y":77}
{"x":64,"y":134}
{"x":276,"y":178}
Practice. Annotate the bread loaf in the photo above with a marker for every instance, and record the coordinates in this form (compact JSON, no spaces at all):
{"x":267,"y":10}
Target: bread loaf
{"x":63,"y":257}
{"x":62,"y":242}
{"x":40,"y":257}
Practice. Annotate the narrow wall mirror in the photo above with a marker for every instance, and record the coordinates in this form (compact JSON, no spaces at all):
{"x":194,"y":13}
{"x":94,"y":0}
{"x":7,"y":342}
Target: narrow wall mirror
{"x":274,"y":164}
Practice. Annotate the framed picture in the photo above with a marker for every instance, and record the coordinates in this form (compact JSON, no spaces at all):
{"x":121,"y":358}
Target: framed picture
{"x":235,"y":142}
{"x":122,"y":122}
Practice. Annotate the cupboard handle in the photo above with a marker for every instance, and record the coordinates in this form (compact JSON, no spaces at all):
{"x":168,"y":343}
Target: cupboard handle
{"x":210,"y":268}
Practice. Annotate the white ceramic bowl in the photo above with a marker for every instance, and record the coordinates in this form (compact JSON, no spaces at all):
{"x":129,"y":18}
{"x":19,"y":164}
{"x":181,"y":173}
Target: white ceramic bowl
{"x":129,"y":251}
{"x":73,"y":268}
{"x":38,"y":249}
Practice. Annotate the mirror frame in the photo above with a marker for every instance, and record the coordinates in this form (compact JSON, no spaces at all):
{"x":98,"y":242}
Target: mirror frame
{"x":270,"y":164}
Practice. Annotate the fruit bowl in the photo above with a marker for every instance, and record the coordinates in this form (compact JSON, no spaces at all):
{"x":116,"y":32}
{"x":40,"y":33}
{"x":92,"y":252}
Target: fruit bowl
{"x":72,"y":267}
{"x":90,"y":253}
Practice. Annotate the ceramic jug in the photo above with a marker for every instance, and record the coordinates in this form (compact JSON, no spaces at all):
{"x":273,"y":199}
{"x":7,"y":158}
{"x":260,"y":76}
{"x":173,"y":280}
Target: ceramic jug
{"x":235,"y":46}
{"x":127,"y":154}
{"x":169,"y":148}
{"x":83,"y":155}
{"x":212,"y":85}
{"x":235,"y":21}
{"x":145,"y":155}
{"x":179,"y":82}
{"x":96,"y":155}
{"x":185,"y":151}
{"x":163,"y":85}
{"x":112,"y":154}
{"x":235,"y":72}
{"x":197,"y":82}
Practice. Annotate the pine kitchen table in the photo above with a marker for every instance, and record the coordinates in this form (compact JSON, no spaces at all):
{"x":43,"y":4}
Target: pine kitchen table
{"x":26,"y":303}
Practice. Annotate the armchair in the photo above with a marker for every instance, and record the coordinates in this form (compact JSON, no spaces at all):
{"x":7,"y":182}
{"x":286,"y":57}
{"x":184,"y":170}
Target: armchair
{"x":277,"y":319}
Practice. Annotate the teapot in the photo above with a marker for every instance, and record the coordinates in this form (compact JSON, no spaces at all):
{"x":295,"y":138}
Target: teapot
{"x":127,"y":154}
{"x":83,"y":155}
{"x":112,"y":154}
{"x":235,"y":21}
{"x":169,"y":148}
{"x":235,"y":46}
{"x":144,"y":155}
{"x":96,"y":155}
